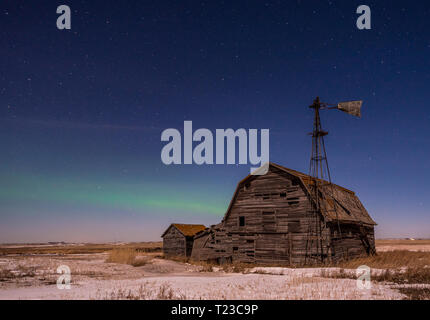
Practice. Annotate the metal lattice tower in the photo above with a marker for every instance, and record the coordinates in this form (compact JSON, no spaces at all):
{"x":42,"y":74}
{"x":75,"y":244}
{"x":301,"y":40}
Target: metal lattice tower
{"x":320,"y":179}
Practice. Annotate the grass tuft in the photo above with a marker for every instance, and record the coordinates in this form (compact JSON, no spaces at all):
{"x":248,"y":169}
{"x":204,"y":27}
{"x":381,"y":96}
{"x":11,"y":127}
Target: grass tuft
{"x":416,"y":293}
{"x":391,"y":259}
{"x":125,"y":256}
{"x":144,"y":292}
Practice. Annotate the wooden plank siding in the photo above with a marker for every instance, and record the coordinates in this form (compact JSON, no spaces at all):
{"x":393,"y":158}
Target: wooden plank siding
{"x":174,"y":243}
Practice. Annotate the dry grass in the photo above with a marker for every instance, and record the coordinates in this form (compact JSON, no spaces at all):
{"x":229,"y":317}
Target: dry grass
{"x":416,"y":293}
{"x":126,"y":256}
{"x":401,"y":267}
{"x":6,"y":275}
{"x":123,"y":255}
{"x":19,"y":272}
{"x":207,"y":266}
{"x":139,"y":262}
{"x":232,"y":267}
{"x":340,"y":274}
{"x":408,"y":276}
{"x":401,"y":278}
{"x":390,"y":259}
{"x":144,"y":292}
{"x":384,"y":260}
{"x":88,"y":248}
{"x":236,"y":267}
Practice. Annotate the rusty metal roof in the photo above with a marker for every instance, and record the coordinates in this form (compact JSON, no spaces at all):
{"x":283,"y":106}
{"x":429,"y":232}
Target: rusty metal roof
{"x":187,"y":230}
{"x":339,"y":203}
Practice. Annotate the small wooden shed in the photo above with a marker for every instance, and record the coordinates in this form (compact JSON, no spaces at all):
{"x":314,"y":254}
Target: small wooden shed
{"x":178,"y":239}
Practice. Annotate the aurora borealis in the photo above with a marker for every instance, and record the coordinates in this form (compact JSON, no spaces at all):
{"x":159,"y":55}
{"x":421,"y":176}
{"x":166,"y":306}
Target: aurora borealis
{"x":82,"y":110}
{"x":53,"y":176}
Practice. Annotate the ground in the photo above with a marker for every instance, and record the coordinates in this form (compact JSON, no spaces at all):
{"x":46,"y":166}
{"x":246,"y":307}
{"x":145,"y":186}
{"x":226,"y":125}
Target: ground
{"x":30,"y":272}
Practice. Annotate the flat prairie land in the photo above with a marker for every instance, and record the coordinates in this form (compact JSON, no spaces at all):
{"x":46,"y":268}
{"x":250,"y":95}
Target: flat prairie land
{"x":76,"y":248}
{"x":400,"y":244}
{"x":139,"y":271}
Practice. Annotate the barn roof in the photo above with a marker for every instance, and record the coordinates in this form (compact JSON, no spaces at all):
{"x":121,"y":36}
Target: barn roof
{"x":187,"y":230}
{"x":339,"y":203}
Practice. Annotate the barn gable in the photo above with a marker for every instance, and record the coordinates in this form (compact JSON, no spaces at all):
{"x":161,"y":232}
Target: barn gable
{"x":274,"y":202}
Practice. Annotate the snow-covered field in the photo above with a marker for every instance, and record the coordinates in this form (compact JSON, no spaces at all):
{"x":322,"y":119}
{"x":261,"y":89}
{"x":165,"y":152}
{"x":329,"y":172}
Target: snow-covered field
{"x":228,"y":286}
{"x":25,"y":275}
{"x":34,"y":277}
{"x":418,"y":247}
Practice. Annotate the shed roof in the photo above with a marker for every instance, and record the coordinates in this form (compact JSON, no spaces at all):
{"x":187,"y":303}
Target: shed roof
{"x":339,"y":203}
{"x":187,"y":230}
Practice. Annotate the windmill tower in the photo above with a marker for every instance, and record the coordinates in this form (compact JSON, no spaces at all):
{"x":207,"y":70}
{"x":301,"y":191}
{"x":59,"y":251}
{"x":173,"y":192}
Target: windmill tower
{"x":321,"y":187}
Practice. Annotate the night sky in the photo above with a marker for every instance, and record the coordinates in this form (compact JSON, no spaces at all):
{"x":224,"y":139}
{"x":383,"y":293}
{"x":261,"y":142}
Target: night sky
{"x":82,"y":110}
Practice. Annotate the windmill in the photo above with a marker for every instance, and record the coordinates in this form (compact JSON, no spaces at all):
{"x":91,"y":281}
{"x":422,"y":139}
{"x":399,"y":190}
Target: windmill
{"x":319,"y":173}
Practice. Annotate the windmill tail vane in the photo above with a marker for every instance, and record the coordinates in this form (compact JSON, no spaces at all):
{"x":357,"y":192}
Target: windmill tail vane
{"x":351,"y":107}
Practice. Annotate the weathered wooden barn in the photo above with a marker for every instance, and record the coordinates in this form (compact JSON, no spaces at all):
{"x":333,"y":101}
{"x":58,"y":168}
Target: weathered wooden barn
{"x":178,"y":239}
{"x":271,"y":219}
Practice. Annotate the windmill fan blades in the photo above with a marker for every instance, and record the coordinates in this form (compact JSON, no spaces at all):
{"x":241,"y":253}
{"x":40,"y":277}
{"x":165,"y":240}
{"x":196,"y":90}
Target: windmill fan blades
{"x":351,"y":107}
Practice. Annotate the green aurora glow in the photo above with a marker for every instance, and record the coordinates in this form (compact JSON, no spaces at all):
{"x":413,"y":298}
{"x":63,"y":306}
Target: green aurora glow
{"x":140,"y":198}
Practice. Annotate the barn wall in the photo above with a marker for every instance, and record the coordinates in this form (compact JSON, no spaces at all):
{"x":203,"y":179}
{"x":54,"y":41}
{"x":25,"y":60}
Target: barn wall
{"x":352,"y":243}
{"x":202,"y":250}
{"x":174,"y":243}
